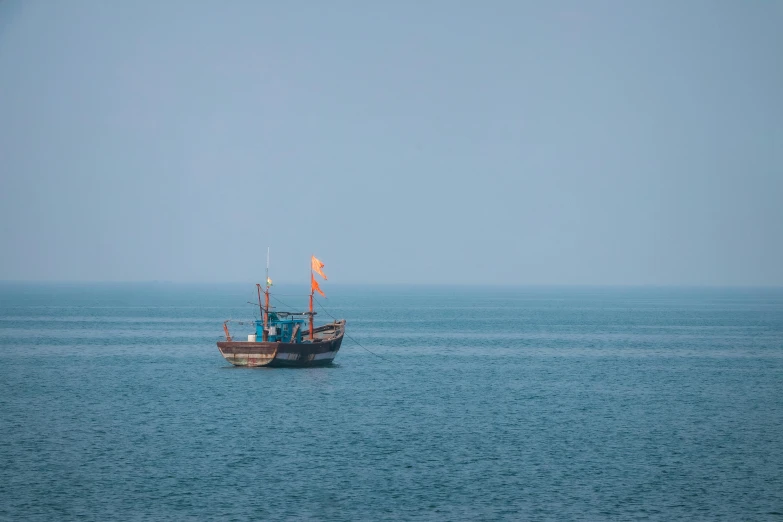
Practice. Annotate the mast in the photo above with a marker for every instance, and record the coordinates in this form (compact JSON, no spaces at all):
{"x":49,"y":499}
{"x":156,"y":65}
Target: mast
{"x":265,"y":336}
{"x":312,"y":291}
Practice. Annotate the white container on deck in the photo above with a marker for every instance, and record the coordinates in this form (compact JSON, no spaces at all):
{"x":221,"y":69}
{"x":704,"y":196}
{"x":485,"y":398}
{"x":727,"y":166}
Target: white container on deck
{"x":251,"y":338}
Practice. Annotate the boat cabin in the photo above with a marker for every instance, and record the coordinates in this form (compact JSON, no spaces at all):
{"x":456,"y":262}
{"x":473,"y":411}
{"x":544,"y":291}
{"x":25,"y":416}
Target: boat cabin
{"x":282,"y":330}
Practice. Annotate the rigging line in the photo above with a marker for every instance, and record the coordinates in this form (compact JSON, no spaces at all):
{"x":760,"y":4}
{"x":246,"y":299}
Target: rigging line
{"x":255,"y":308}
{"x":324,"y":309}
{"x":255,"y":304}
{"x":348,"y":336}
{"x":279,"y":301}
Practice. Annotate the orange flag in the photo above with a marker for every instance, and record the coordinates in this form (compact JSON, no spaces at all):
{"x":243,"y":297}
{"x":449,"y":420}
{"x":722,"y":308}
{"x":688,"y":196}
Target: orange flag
{"x":317,"y":266}
{"x":314,"y":286}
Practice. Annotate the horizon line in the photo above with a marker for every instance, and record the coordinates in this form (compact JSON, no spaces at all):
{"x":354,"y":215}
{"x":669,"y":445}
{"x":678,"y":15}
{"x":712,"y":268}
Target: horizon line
{"x":437,"y":284}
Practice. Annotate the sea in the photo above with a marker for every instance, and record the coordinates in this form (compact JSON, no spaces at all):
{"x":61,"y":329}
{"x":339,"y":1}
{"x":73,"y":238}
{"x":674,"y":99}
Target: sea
{"x":444,"y":403}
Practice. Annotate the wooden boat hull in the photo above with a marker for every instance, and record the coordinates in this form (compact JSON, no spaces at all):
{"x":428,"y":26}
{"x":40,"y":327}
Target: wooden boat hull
{"x":320,"y":352}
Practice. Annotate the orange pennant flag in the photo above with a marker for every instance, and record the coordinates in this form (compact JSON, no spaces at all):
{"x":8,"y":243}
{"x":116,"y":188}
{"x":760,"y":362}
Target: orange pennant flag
{"x":314,"y":286}
{"x":317,"y":266}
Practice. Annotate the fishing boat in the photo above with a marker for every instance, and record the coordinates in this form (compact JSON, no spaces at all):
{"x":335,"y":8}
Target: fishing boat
{"x":286,"y":338}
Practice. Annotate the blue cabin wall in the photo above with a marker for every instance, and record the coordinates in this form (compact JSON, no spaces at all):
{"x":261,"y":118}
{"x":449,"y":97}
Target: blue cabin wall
{"x":283,"y":329}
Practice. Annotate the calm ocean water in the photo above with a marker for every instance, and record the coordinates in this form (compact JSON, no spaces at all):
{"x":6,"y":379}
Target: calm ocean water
{"x":489,"y":403}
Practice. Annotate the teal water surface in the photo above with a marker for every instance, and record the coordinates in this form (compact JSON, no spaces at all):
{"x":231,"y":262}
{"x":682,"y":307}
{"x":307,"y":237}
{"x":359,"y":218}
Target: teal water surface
{"x":487,"y":403}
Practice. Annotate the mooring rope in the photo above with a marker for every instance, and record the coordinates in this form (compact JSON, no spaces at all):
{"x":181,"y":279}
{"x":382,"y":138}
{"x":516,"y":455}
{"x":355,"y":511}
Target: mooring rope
{"x":348,"y":336}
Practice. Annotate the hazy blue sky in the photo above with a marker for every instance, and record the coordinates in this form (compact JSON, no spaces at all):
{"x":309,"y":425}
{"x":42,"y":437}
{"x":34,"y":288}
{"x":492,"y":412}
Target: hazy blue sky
{"x":422,"y":142}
